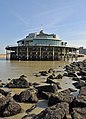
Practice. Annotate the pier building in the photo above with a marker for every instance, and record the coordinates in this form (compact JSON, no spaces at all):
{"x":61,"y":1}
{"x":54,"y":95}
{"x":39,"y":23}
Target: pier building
{"x":41,"y":46}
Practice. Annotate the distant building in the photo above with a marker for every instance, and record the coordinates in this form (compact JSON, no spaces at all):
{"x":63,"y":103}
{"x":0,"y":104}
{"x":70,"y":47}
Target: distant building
{"x":82,"y":50}
{"x":40,"y":46}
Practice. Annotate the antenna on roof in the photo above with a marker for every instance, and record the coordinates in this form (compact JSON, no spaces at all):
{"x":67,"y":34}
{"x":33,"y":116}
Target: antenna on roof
{"x":41,"y":27}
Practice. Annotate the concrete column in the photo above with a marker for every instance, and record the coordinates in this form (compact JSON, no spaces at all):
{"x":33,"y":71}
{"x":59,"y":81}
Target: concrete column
{"x":65,"y":52}
{"x":76,"y":55}
{"x":27,"y":53}
{"x":40,"y":53}
{"x":72,"y":55}
{"x":53,"y":53}
{"x":6,"y":55}
{"x":17,"y":53}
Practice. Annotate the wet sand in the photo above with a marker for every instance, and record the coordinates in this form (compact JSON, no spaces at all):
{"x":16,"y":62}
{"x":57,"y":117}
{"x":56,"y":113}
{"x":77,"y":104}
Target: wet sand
{"x":13,"y":69}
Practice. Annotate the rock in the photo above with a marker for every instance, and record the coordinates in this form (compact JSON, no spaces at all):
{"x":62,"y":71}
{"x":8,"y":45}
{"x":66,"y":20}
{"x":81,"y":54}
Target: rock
{"x":53,"y":82}
{"x":47,"y":88}
{"x":66,"y":96}
{"x":18,"y":83}
{"x":50,"y":70}
{"x":35,"y":83}
{"x":44,"y":95}
{"x":12,"y":108}
{"x":79,"y":84}
{"x":59,"y":76}
{"x":79,"y":113}
{"x":16,"y":97}
{"x":29,"y":116}
{"x":30,"y":109}
{"x":43,"y":73}
{"x":8,"y":107}
{"x":51,"y":77}
{"x":63,"y":96}
{"x":83,"y":91}
{"x":29,"y":95}
{"x":83,"y":78}
{"x":5,"y":93}
{"x":76,"y":79}
{"x":79,"y":101}
{"x":82,"y":73}
{"x":58,"y":111}
{"x":53,"y":100}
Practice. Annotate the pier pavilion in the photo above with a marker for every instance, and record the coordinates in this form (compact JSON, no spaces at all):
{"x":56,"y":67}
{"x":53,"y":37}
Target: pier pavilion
{"x":41,"y":46}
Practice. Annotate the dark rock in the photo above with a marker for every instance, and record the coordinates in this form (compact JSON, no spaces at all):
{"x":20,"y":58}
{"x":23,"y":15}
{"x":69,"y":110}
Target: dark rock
{"x":83,"y":91}
{"x":47,"y":88}
{"x":30,"y":109}
{"x":29,"y":95}
{"x":18,"y":83}
{"x":8,"y":107}
{"x":53,"y":82}
{"x":63,"y":96}
{"x":82,"y":73}
{"x":58,"y":111}
{"x":83,"y":78}
{"x":79,"y":84}
{"x":50,"y":70}
{"x":12,"y":108}
{"x":5,"y":93}
{"x":53,"y":100}
{"x":16,"y":97}
{"x":44,"y":95}
{"x":43,"y":73}
{"x":35,"y":83}
{"x":66,"y":96}
{"x":59,"y":76}
{"x":79,"y":113}
{"x":29,"y":116}
{"x":76,"y":79}
{"x":79,"y":101}
{"x":51,"y":77}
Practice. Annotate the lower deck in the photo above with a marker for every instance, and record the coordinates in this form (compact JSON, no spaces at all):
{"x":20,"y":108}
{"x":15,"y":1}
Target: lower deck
{"x":40,"y":53}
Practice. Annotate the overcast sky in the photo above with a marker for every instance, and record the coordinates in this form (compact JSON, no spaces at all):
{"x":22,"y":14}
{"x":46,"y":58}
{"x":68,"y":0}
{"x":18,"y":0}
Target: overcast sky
{"x":66,"y":18}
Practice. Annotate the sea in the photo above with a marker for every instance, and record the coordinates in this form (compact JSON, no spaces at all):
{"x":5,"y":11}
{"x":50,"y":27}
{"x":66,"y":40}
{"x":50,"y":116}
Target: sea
{"x":14,"y":69}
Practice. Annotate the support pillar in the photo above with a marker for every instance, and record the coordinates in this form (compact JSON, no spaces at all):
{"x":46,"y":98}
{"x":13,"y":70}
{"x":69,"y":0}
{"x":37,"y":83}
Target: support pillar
{"x":40,"y":53}
{"x":6,"y":55}
{"x":53,"y":53}
{"x":27,"y":53}
{"x":65,"y":52}
{"x":72,"y":55}
{"x":17,"y":53}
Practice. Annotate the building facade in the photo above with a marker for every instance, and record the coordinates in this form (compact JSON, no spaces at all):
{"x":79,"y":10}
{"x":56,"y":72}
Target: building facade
{"x":41,"y":46}
{"x":82,"y":50}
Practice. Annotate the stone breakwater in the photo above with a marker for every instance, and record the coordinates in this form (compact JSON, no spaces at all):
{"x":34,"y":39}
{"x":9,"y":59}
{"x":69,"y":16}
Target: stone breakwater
{"x":61,"y":104}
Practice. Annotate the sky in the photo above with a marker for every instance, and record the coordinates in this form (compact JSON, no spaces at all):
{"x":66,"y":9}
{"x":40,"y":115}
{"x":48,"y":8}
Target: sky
{"x":66,"y":18}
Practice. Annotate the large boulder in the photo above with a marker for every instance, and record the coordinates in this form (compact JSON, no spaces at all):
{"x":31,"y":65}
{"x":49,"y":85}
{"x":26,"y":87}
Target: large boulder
{"x":12,"y":108}
{"x":58,"y":111}
{"x":8,"y":106}
{"x":47,"y":88}
{"x":18,"y":83}
{"x":29,"y":95}
{"x":63,"y":96}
